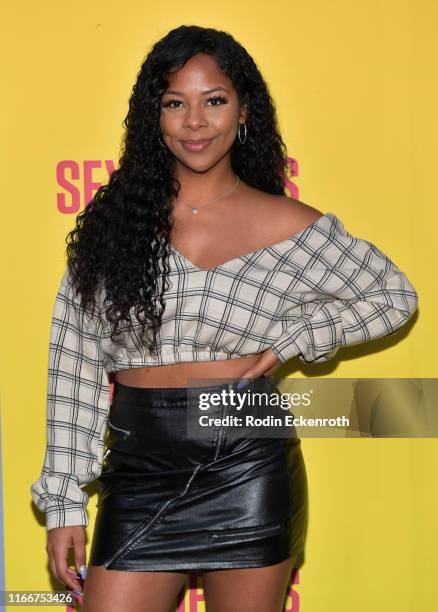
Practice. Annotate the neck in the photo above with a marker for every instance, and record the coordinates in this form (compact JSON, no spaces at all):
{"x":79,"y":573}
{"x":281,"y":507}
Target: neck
{"x":204,"y":186}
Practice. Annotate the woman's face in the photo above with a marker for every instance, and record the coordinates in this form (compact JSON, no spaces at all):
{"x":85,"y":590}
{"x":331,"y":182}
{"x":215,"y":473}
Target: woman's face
{"x":200,"y":104}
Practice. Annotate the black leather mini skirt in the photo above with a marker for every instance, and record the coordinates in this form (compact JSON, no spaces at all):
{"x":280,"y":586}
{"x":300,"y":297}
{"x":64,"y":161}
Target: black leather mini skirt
{"x":185,"y":487}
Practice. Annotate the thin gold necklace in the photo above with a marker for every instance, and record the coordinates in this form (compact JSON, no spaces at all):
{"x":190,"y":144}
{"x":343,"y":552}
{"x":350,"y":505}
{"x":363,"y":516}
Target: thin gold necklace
{"x":195,"y":209}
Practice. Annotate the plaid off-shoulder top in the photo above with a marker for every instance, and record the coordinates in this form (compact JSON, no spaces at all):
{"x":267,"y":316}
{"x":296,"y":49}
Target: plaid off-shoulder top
{"x":306,"y":296}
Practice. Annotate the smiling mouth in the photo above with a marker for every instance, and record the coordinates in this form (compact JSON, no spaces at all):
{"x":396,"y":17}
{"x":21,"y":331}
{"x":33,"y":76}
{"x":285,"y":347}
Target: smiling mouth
{"x":196,"y":145}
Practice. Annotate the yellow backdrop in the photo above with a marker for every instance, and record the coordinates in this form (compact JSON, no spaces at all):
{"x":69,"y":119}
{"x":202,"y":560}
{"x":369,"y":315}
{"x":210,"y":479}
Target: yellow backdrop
{"x":357,"y":108}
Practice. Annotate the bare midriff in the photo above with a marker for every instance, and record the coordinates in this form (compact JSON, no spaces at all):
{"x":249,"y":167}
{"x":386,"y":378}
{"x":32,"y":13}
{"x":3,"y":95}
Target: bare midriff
{"x":187,"y":374}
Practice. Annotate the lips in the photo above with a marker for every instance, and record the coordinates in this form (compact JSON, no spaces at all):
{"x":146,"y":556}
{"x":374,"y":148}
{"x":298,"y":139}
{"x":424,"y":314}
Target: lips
{"x":196,"y":145}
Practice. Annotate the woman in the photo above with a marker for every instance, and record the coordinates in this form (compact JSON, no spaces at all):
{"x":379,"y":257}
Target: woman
{"x":191,"y":268}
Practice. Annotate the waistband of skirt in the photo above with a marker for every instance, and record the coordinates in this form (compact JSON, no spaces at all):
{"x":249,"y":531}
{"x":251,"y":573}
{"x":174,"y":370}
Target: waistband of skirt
{"x":130,"y":393}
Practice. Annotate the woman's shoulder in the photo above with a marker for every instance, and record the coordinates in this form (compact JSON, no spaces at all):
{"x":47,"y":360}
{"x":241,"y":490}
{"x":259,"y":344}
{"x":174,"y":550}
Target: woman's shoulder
{"x":286,"y":212}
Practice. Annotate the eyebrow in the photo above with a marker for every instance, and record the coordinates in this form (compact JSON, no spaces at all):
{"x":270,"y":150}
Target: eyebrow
{"x":207,"y":91}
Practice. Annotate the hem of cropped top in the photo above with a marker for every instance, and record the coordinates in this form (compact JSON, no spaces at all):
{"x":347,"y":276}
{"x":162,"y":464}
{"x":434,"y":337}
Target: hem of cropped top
{"x":172,"y":356}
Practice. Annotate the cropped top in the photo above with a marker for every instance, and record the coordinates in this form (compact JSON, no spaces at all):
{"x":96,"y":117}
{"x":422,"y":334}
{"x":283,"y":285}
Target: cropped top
{"x":306,"y":296}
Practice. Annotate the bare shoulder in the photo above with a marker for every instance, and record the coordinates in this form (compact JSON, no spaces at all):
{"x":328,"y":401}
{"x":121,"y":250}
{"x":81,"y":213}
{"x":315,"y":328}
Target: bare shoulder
{"x":291,"y":213}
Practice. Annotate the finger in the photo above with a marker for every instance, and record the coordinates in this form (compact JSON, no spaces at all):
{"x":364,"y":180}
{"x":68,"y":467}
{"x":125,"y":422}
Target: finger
{"x":245,"y":378}
{"x":52,"y":562}
{"x":60,"y":553}
{"x":271,"y":362}
{"x":73,"y":573}
{"x":79,"y":552}
{"x":260,"y":368}
{"x":250,"y":375}
{"x":273,"y":369}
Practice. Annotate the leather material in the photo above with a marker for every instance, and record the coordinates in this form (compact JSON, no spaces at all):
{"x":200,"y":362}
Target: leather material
{"x":173,"y":497}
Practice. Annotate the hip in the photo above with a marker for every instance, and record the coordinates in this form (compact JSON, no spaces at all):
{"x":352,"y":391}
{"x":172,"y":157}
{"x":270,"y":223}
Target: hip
{"x":180,"y":373}
{"x":153,"y":430}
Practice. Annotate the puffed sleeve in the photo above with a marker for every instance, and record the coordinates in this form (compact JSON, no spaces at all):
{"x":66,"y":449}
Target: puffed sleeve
{"x":77,"y":409}
{"x":360,"y":295}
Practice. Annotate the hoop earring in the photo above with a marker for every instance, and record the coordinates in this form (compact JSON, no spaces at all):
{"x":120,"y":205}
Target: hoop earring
{"x":238,"y":133}
{"x":161,"y":142}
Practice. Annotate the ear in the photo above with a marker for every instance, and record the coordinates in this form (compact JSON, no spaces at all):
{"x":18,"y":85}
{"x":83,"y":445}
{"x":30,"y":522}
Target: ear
{"x":243,"y":114}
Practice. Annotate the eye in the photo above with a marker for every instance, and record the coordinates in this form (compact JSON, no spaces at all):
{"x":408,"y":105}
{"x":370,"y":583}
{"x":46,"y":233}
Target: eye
{"x":172,"y":101}
{"x":169,"y":102}
{"x":221,"y":99}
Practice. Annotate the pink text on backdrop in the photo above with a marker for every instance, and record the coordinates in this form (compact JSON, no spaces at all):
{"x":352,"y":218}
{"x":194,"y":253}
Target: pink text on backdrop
{"x":189,"y":597}
{"x":76,"y":181}
{"x":292,"y":169}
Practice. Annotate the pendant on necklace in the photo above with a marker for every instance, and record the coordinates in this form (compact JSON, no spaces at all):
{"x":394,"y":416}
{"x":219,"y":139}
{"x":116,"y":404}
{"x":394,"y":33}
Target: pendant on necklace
{"x":195,"y":211}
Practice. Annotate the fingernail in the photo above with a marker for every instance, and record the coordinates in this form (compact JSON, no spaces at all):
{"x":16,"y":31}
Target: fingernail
{"x":242,"y":383}
{"x":78,"y":593}
{"x":74,"y":574}
{"x":83,"y":572}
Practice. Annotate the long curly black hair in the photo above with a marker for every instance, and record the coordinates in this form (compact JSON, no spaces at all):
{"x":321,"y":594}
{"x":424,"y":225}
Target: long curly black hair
{"x":121,"y":238}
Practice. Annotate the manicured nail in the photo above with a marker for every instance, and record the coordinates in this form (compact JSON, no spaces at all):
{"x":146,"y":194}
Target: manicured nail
{"x":241,"y":384}
{"x":83,"y":572}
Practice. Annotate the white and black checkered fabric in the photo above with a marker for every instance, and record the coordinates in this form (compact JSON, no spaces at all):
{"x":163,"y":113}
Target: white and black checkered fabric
{"x":306,"y":296}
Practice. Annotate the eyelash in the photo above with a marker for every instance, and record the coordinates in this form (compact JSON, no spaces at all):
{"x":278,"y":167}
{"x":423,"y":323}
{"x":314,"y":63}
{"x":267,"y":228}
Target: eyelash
{"x":220,"y":98}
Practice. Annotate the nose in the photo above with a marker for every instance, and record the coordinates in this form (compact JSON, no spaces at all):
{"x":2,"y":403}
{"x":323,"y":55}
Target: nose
{"x":194,"y":118}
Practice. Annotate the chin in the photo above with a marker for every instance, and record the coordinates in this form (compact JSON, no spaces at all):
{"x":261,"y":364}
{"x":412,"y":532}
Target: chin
{"x":199,"y":165}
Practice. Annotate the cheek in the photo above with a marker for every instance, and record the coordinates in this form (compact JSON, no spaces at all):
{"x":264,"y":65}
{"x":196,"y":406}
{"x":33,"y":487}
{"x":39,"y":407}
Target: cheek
{"x":169,"y":124}
{"x":226,"y":126}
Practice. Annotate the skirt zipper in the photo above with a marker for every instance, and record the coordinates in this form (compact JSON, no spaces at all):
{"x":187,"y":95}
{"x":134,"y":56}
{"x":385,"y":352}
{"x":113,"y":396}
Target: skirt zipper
{"x":220,"y":437}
